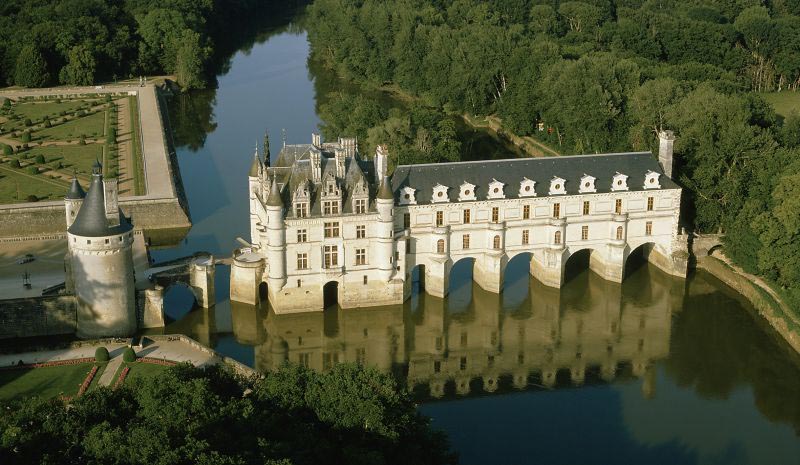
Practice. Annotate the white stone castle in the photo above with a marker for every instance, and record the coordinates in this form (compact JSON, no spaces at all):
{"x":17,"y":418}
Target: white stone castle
{"x":99,"y":263}
{"x":327,"y":225}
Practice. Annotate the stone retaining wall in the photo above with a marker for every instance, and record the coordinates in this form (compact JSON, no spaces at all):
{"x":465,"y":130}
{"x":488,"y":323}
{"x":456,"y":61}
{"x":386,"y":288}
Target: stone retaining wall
{"x":39,"y":316}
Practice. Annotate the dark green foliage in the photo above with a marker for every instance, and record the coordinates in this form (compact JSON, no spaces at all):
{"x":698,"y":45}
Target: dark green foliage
{"x":32,"y":198}
{"x":27,"y":122}
{"x":187,"y":416}
{"x":26,"y":137}
{"x":128,"y":355}
{"x":40,"y":158}
{"x":30,"y":69}
{"x":33,"y":169}
{"x":7,"y":150}
{"x":101,"y":354}
{"x":15,"y":163}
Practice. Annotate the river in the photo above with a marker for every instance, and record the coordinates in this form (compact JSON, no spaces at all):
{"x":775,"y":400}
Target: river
{"x":656,"y":370}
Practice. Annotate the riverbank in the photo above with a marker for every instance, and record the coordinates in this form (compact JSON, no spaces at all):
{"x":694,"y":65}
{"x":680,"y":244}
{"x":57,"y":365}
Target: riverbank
{"x":765,"y":301}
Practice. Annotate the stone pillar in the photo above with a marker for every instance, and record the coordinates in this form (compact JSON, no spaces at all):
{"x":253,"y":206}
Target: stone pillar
{"x":489,"y":269}
{"x":247,"y":270}
{"x":666,"y":140}
{"x":437,"y":271}
{"x":547,"y":265}
{"x":153,"y":315}
{"x":385,"y":241}
{"x":201,"y":280}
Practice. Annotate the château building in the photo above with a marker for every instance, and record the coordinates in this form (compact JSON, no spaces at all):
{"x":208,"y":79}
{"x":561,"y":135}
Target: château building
{"x":328,"y":225}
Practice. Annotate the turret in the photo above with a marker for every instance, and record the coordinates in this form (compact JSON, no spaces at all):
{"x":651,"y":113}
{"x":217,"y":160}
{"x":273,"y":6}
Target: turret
{"x":666,"y":140}
{"x":276,"y":239}
{"x":253,"y":185}
{"x":73,"y":201}
{"x":385,"y":245}
{"x":100,"y":241}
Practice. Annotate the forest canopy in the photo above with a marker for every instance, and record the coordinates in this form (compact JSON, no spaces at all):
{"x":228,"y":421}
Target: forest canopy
{"x":81,"y":42}
{"x":606,"y":75}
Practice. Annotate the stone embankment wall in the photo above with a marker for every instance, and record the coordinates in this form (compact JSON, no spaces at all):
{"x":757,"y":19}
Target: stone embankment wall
{"x":39,"y":316}
{"x":785,"y":324}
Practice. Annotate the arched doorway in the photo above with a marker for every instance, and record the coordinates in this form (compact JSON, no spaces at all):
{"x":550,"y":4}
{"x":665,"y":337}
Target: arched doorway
{"x":179,"y":300}
{"x":516,"y":281}
{"x":330,"y":294}
{"x":262,"y":291}
{"x":577,"y":265}
{"x":459,"y":287}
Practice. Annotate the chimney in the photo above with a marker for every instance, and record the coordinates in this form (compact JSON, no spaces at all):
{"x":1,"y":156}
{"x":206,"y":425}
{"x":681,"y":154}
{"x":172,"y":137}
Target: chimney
{"x":666,"y":139}
{"x":316,"y":165}
{"x":316,"y":140}
{"x":381,"y":161}
{"x":340,"y":154}
{"x":350,"y":146}
{"x":110,"y":190}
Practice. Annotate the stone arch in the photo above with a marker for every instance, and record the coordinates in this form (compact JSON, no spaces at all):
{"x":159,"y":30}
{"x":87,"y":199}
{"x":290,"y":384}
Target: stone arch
{"x":262,"y":291}
{"x":516,"y":279}
{"x":179,"y":299}
{"x":576,"y":260}
{"x":460,"y":274}
{"x":330,"y":294}
{"x":416,"y":279}
{"x":637,"y":255}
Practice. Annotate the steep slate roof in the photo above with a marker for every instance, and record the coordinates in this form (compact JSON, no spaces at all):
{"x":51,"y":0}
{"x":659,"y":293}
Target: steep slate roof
{"x":75,"y":190}
{"x":541,"y":170}
{"x":91,"y":220}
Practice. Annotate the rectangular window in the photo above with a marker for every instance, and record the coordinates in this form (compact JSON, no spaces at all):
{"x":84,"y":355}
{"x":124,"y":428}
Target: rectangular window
{"x":301,"y":209}
{"x":361,"y":257}
{"x":331,"y":256}
{"x":584,"y":233}
{"x":302,"y":262}
{"x":556,"y":210}
{"x":439,"y":218}
{"x":299,"y":283}
{"x":302,"y":235}
{"x":361,"y":205}
{"x":463,"y":364}
{"x":649,"y":204}
{"x":465,"y":241}
{"x":525,"y":236}
{"x":332,"y":229}
{"x":618,"y":206}
{"x":330,"y":207}
{"x":437,"y":366}
{"x":366,"y":279}
{"x":648,"y":228}
{"x":586,"y":208}
{"x":361,"y":231}
{"x":466,"y":216}
{"x":526,"y":212}
{"x":495,"y":214}
{"x":406,"y":220}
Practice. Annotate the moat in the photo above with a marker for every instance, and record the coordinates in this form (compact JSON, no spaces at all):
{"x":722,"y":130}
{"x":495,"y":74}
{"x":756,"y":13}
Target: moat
{"x":655,"y":370}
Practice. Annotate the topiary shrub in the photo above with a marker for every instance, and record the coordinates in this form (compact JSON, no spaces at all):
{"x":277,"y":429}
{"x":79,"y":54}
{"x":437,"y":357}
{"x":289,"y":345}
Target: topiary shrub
{"x":40,"y":159}
{"x":33,"y":170}
{"x":56,"y":165}
{"x":101,"y":354}
{"x":82,"y":140}
{"x":26,"y":136}
{"x":128,"y":355}
{"x":15,"y":163}
{"x":32,"y":198}
{"x":7,"y":150}
{"x":27,"y":122}
{"x":47,"y":122}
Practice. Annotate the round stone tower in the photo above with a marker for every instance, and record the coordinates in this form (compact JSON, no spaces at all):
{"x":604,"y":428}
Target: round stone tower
{"x":276,"y":239}
{"x":73,"y":201}
{"x":385,"y":241}
{"x":101,"y":263}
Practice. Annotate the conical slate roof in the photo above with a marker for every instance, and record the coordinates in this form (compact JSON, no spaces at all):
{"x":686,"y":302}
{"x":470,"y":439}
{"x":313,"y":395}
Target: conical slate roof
{"x":274,"y":199}
{"x":385,"y":191}
{"x":91,"y":220}
{"x":254,"y":167}
{"x":75,"y":190}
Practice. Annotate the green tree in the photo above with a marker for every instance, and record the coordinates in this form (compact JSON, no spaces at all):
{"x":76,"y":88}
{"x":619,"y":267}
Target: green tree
{"x":189,"y":63}
{"x":31,"y":68}
{"x":7,"y":150}
{"x":80,"y":68}
{"x":26,"y":137}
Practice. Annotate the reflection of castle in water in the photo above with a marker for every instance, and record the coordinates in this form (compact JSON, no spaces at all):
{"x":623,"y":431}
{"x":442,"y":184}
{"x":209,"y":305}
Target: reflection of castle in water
{"x":590,"y":326}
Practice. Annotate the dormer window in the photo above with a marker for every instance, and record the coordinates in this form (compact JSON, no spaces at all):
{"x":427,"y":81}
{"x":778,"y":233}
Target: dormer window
{"x":466,"y":192}
{"x":651,"y":180}
{"x":440,"y":194}
{"x":496,"y":190}
{"x":587,"y":184}
{"x":359,"y":206}
{"x":301,"y":209}
{"x":408,"y":196}
{"x":557,"y":186}
{"x":619,"y":182}
{"x":330,"y":207}
{"x":527,"y":188}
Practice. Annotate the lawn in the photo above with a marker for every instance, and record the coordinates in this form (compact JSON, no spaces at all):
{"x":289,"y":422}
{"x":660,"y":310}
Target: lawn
{"x":783,"y":102}
{"x":73,"y":157}
{"x":141,"y":370}
{"x":91,"y":126}
{"x":43,"y":382}
{"x":37,"y":110}
{"x":14,"y":181}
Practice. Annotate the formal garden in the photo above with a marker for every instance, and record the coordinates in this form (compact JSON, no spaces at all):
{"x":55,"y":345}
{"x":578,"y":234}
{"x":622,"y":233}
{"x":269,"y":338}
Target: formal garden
{"x":45,"y":141}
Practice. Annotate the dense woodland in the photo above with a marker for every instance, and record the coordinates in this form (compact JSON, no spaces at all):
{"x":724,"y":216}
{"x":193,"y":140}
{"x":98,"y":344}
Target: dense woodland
{"x":186,"y":415}
{"x":82,"y":42}
{"x":600,"y":75}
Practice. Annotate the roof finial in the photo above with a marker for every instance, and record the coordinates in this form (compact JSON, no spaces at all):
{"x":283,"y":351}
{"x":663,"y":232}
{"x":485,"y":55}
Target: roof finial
{"x":283,"y":136}
{"x":274,"y":199}
{"x":97,"y":168}
{"x":266,"y":148}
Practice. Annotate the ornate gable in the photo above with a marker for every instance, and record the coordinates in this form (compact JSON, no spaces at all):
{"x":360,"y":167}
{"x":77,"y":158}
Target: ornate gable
{"x":651,"y":180}
{"x":557,"y":186}
{"x":440,"y":194}
{"x":408,"y":196}
{"x":587,"y":184}
{"x":466,"y":192}
{"x":527,"y":188}
{"x":496,"y":190}
{"x":619,"y":182}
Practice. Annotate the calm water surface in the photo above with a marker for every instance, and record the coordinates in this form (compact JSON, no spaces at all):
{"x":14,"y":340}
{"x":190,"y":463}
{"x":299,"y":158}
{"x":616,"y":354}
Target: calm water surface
{"x":654,"y":371}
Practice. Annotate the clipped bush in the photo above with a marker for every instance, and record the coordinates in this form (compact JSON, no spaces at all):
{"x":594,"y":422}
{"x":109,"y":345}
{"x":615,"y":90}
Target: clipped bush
{"x":82,"y":140}
{"x":6,"y":103}
{"x":40,"y":158}
{"x":7,"y":150}
{"x":33,"y":170}
{"x":47,"y":122}
{"x":27,"y":122}
{"x":101,"y":354}
{"x":15,"y":163}
{"x":32,"y":198}
{"x":128,"y":355}
{"x":56,"y":165}
{"x":26,"y":136}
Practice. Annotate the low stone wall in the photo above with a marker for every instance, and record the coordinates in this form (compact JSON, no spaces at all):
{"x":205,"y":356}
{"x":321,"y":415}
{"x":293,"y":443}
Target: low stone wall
{"x":38,"y":316}
{"x":236,"y":365}
{"x":767,"y":308}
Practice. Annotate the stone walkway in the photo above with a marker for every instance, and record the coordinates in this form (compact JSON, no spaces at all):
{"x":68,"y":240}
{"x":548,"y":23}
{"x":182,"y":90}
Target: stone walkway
{"x":110,"y":371}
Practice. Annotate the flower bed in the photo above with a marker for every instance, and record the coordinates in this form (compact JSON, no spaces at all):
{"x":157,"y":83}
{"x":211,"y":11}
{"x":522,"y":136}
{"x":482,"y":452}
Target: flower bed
{"x":54,"y":363}
{"x":158,"y":361}
{"x":88,"y":380}
{"x":122,"y":375}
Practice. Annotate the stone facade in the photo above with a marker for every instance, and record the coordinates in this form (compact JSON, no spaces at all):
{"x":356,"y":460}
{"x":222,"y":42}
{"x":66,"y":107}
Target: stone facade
{"x":324,"y":221}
